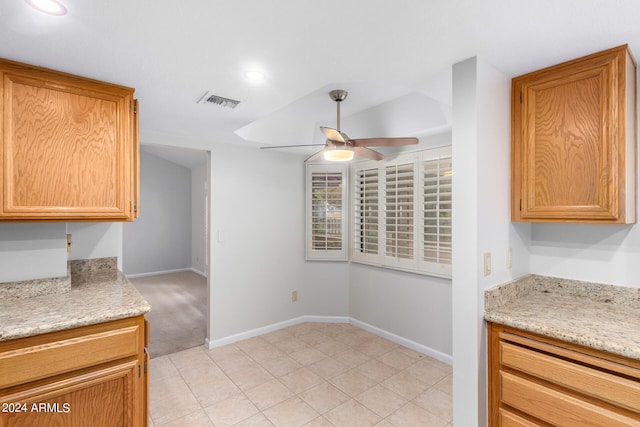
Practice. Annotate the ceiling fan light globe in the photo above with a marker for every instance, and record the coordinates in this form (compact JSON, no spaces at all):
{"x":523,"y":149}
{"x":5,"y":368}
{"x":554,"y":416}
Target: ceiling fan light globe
{"x":338,"y":154}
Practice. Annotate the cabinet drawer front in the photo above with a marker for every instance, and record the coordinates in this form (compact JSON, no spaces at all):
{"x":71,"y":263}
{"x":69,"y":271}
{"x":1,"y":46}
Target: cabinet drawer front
{"x":592,"y":382}
{"x":556,"y":407}
{"x":45,"y":360}
{"x":509,"y":419}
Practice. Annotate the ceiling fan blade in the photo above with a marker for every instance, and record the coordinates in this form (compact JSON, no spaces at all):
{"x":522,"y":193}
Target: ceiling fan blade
{"x":366,"y":152}
{"x":318,"y":155}
{"x":333,"y":134}
{"x":383,"y":142}
{"x":290,"y":146}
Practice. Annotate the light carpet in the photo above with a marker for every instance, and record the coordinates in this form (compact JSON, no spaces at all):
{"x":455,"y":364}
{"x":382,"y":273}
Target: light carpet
{"x":178,"y":313}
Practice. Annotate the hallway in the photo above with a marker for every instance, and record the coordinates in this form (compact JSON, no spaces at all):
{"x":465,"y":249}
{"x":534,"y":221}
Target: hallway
{"x":178,"y":314}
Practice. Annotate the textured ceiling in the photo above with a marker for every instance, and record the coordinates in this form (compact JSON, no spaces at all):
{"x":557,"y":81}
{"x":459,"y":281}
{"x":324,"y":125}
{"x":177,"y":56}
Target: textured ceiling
{"x":394,"y":57}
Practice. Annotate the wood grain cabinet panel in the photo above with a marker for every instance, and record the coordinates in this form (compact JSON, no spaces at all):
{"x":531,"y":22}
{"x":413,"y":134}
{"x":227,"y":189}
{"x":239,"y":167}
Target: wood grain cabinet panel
{"x":101,"y":398}
{"x":540,"y":381}
{"x":65,"y":355}
{"x":574,"y":141}
{"x":69,"y":147}
{"x":597,"y":383}
{"x":90,"y":376}
{"x":556,"y":407}
{"x":509,"y":419}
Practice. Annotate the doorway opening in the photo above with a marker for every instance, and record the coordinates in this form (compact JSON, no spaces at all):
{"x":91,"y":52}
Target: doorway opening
{"x":165,"y":251}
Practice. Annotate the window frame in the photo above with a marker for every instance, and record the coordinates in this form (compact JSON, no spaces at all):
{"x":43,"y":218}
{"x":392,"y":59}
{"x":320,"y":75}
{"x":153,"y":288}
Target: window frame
{"x":311,"y":253}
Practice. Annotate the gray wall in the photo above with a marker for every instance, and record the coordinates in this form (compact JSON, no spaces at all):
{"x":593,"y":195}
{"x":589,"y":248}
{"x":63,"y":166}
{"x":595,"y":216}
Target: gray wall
{"x":160,"y":239}
{"x":96,"y":240}
{"x":413,"y":306}
{"x":38,"y":250}
{"x":32,"y":251}
{"x":257,"y":245}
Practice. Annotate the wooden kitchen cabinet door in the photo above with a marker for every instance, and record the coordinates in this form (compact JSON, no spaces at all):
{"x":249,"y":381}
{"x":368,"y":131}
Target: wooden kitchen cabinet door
{"x":94,"y":375}
{"x":574,"y":141}
{"x":100,"y":398}
{"x":69,"y":147}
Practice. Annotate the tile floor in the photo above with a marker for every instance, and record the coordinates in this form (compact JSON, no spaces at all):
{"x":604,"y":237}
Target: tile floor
{"x":311,"y":374}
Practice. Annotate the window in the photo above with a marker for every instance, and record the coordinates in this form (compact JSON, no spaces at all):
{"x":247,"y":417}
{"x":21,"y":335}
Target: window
{"x":402,"y":212}
{"x":399,"y":218}
{"x":366,"y":214}
{"x":436,"y":222}
{"x":325,"y":212}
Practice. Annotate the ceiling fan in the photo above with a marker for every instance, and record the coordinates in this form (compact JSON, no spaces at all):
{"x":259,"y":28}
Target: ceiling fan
{"x":339,"y":147}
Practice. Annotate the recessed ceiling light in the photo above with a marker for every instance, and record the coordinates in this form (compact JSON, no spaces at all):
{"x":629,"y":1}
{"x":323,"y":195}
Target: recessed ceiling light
{"x":255,"y":75}
{"x":51,"y":7}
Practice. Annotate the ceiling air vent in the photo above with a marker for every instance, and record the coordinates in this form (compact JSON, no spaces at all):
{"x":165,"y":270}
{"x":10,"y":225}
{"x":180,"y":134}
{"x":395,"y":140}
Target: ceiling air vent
{"x":210,"y":98}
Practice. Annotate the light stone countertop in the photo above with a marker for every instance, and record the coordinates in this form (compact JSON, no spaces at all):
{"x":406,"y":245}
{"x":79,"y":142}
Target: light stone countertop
{"x":98,"y":293}
{"x":594,"y":315}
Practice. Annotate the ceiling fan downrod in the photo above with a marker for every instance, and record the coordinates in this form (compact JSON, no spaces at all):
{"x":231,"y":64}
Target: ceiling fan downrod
{"x":338,"y":96}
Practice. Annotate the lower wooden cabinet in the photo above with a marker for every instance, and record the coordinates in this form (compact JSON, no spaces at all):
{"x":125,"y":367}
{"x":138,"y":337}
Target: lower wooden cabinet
{"x":89,"y":376}
{"x":540,"y":381}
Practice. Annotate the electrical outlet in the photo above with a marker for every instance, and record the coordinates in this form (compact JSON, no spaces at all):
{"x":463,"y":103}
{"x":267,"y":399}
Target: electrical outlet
{"x":509,"y":258}
{"x":294,"y":296}
{"x":487,"y":263}
{"x":68,"y":243}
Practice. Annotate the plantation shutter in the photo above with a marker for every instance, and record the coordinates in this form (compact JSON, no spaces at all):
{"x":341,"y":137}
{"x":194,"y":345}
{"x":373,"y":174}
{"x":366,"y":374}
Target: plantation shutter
{"x":402,"y":212}
{"x":366,"y":213}
{"x":436,"y":230}
{"x":399,"y":212}
{"x":326,"y":205}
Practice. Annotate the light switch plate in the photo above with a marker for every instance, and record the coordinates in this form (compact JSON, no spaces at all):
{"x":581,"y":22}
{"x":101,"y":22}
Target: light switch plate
{"x":487,"y":263}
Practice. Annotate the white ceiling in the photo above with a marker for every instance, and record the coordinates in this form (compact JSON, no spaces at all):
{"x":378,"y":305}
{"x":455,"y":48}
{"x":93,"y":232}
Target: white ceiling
{"x":187,"y":157}
{"x":394,"y":57}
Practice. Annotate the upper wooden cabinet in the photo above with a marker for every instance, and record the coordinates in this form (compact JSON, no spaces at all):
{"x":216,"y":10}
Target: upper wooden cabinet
{"x":69,"y":147}
{"x":573,"y":141}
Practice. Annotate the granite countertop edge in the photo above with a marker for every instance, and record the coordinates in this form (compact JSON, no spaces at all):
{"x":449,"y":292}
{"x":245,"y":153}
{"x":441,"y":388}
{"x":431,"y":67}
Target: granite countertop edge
{"x":586,"y":340}
{"x":70,"y":324}
{"x":98,"y":293}
{"x":599,"y":316}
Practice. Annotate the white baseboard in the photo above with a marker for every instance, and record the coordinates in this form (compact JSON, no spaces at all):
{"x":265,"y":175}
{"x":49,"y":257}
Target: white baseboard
{"x":201,"y":273}
{"x":331,"y":319}
{"x":273,"y":327}
{"x":252,"y":333}
{"x":157,"y":273}
{"x":324,"y":319}
{"x":443,"y":357}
